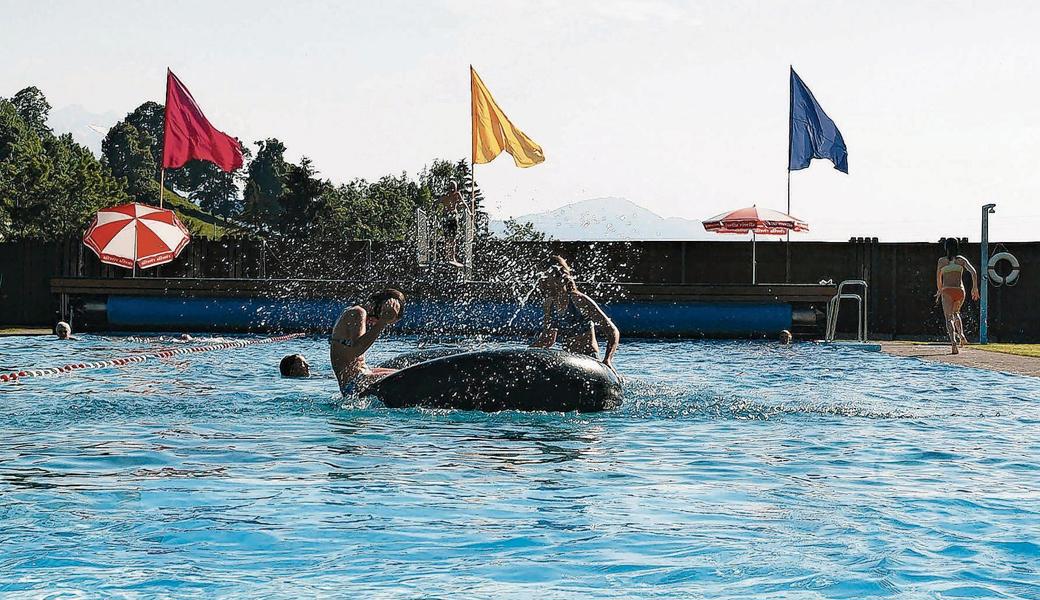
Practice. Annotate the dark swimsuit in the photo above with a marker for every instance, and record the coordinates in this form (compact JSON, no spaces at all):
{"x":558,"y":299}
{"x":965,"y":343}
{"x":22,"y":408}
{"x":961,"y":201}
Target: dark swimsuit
{"x":571,"y":321}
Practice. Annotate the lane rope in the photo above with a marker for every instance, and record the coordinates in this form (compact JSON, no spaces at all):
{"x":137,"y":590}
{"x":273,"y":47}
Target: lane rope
{"x":136,"y":358}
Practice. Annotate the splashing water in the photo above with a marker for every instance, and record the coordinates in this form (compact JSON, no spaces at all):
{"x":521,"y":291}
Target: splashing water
{"x":523,"y":300}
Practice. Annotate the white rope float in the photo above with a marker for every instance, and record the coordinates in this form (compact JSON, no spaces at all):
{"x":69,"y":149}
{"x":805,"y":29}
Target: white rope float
{"x":136,"y":358}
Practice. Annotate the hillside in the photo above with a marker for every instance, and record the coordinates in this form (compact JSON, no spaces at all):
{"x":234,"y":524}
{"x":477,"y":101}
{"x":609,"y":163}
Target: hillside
{"x":198,"y":221}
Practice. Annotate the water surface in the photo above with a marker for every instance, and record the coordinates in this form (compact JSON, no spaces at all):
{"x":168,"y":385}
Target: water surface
{"x":734,"y":470}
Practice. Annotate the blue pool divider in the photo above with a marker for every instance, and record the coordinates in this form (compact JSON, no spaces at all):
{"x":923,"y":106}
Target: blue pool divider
{"x":632,"y":318}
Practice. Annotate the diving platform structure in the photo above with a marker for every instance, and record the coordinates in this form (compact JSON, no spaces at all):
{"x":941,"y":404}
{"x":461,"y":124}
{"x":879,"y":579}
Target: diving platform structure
{"x":441,"y":253}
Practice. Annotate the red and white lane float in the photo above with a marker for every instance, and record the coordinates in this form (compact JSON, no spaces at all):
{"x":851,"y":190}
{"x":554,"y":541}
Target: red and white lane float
{"x":13,"y":376}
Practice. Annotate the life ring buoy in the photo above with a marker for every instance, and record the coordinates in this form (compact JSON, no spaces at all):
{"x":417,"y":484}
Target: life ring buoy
{"x":995,"y":277}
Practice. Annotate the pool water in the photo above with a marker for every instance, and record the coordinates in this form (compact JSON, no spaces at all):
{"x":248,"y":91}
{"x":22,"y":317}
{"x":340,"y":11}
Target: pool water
{"x":734,"y":470}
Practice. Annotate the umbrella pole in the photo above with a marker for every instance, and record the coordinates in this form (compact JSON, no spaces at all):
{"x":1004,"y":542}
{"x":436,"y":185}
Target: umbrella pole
{"x":754,"y":261}
{"x":133,"y":271}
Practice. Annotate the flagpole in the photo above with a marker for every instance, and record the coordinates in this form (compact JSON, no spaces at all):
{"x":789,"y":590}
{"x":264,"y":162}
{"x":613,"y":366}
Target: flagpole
{"x":790,"y":115}
{"x":162,"y":182}
{"x":162,"y":155}
{"x":787,"y":267}
{"x":472,"y":151}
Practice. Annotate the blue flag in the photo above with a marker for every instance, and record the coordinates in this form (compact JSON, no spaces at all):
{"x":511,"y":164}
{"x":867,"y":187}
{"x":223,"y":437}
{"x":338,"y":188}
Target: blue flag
{"x":813,"y":133}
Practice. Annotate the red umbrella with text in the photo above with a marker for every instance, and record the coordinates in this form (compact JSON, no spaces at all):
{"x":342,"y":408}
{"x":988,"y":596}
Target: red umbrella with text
{"x":756,"y":221}
{"x":135,"y":235}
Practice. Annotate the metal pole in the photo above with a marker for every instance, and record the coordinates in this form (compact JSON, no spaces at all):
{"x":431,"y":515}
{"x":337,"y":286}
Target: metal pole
{"x":754,"y":261}
{"x":984,"y":275}
{"x":472,"y":188}
{"x":133,"y":272}
{"x":162,"y":155}
{"x":790,"y":115}
{"x":787,"y":264}
{"x":162,"y":182}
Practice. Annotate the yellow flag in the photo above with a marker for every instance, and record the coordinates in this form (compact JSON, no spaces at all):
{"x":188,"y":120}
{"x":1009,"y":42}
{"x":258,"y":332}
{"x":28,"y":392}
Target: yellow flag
{"x":493,"y":132}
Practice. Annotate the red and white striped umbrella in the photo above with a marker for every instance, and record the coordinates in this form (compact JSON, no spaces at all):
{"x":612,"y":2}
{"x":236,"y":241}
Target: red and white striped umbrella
{"x":761,"y":221}
{"x":756,"y":221}
{"x":136,"y":234}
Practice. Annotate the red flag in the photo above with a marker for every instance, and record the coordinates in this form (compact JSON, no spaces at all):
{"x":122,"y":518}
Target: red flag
{"x":189,"y":135}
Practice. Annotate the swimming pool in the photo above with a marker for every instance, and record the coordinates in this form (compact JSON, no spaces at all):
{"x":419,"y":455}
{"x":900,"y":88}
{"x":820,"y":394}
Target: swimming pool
{"x":735,"y":470}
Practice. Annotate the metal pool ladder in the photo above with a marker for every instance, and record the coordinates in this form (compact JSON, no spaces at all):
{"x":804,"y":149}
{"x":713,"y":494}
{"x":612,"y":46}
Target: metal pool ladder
{"x":861,"y":308}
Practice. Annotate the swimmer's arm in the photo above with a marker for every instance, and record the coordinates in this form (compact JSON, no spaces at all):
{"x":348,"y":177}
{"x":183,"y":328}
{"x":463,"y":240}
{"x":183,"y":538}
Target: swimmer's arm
{"x":938,"y":280}
{"x":547,"y":336}
{"x":349,"y":327}
{"x":361,"y":344}
{"x":592,"y":310}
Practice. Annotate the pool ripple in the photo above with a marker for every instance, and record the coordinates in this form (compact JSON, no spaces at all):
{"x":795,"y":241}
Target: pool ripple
{"x":734,"y":470}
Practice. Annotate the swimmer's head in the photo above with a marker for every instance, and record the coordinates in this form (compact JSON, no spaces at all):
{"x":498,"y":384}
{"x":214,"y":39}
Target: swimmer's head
{"x":378,"y":300}
{"x":785,"y":337}
{"x":294,"y":365}
{"x":185,"y":337}
{"x":63,"y":330}
{"x":559,"y":277}
{"x":953,"y":247}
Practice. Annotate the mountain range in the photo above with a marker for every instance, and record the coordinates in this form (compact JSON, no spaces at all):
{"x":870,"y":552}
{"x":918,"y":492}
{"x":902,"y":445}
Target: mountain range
{"x":87,"y":128}
{"x":602,"y":219}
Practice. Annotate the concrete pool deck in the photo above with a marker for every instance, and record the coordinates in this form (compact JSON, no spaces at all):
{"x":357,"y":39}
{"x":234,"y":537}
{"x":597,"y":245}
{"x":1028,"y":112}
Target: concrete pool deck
{"x":968,"y":357}
{"x":15,"y":330}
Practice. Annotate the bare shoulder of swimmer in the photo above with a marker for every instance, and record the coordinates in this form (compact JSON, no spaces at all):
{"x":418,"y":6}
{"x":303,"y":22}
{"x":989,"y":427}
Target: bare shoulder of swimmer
{"x":350,"y":317}
{"x":586,"y":300}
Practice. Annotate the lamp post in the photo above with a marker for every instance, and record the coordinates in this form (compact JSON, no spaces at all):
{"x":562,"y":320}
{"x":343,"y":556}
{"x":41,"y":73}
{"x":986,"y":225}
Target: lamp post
{"x":987,"y":210}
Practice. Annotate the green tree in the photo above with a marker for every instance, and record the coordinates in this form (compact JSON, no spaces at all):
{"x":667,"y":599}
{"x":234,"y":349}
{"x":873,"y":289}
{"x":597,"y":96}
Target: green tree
{"x":218,"y":192}
{"x":525,"y":231}
{"x":49,"y":186}
{"x":78,"y":187}
{"x":24,"y":168}
{"x":436,"y":176}
{"x":34,"y":109}
{"x":129,"y":153}
{"x":264,"y":185}
{"x":133,"y":150}
{"x":302,"y":200}
{"x":394,"y":201}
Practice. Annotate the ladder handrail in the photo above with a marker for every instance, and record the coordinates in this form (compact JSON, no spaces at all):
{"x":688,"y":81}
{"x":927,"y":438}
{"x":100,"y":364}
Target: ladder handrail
{"x":834,"y":306}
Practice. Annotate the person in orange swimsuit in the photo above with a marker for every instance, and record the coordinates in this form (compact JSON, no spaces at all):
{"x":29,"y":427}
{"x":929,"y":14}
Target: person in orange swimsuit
{"x":949,"y":281}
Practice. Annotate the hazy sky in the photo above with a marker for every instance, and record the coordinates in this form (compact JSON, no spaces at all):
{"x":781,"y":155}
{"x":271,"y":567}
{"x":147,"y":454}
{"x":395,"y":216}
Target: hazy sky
{"x":681,"y":107}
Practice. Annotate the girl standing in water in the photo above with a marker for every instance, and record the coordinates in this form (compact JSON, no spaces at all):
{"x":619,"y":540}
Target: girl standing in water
{"x":949,"y":281}
{"x":572,"y":317}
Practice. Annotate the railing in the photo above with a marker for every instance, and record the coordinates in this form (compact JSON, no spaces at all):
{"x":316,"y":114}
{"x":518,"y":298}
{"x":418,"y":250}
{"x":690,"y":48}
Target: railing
{"x":834,"y":306}
{"x":431,"y":242}
{"x":423,"y":238}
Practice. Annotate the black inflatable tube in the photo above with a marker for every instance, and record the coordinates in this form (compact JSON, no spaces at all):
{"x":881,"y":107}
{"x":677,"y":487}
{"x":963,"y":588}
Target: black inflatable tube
{"x":528,"y":379}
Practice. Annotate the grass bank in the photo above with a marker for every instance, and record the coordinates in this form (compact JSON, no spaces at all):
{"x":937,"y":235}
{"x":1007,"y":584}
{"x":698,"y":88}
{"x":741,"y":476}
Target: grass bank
{"x":1032,"y":350}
